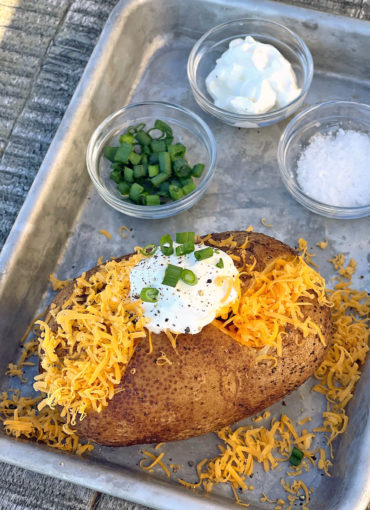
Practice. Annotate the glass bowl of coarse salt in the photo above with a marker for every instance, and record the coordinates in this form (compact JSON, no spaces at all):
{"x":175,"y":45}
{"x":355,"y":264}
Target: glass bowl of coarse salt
{"x":324,"y":159}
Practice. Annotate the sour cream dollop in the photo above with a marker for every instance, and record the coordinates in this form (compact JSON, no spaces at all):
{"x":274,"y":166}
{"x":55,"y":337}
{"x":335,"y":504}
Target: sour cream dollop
{"x":252,"y":77}
{"x":185,"y":308}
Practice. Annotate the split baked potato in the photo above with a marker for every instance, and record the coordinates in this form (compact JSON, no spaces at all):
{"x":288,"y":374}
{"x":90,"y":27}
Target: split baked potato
{"x":212,"y":381}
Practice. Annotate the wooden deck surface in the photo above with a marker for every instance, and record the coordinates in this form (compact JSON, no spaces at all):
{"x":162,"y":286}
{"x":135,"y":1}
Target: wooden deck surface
{"x":44,"y":47}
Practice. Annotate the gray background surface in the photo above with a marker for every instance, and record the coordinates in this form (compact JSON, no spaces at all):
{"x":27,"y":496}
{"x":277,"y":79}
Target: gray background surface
{"x":44,"y":47}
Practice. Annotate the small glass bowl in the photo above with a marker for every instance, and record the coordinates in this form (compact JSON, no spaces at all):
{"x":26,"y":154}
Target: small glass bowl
{"x":215,"y":42}
{"x":188,"y":129}
{"x":323,"y":118}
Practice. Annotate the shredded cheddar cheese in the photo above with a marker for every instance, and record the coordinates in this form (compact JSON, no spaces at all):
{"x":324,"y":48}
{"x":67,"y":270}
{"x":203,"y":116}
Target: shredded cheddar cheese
{"x":304,"y":420}
{"x":265,"y":224}
{"x":21,"y":419}
{"x":349,"y":271}
{"x":294,"y":489}
{"x":105,"y":233}
{"x":275,"y":299}
{"x":323,"y":244}
{"x":124,"y":228}
{"x":163,"y":360}
{"x":338,"y":262}
{"x":56,"y":283}
{"x":244,"y":245}
{"x":14,"y":371}
{"x":245,"y":446}
{"x":85,"y":358}
{"x":29,"y":349}
{"x":30,"y":327}
{"x":156,"y":460}
{"x":263,"y":357}
{"x":303,"y":249}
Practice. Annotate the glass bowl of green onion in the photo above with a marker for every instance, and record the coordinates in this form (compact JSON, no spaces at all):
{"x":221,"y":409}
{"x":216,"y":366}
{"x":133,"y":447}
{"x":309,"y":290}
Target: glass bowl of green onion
{"x":152,"y":159}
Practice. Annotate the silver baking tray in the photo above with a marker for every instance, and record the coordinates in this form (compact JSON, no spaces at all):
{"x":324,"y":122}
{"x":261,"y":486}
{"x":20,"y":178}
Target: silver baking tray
{"x":142,"y":55}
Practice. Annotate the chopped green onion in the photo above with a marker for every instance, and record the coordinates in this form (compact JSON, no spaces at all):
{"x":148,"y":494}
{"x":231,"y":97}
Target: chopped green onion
{"x":166,"y":244}
{"x":149,"y":250}
{"x":172,"y":275}
{"x":158,"y":179}
{"x":152,"y":200}
{"x":123,"y":152}
{"x":183,"y":249}
{"x":149,"y":295}
{"x":134,"y":158}
{"x":189,"y":277}
{"x":220,"y":263}
{"x":153,"y":170}
{"x":197,"y":170}
{"x":175,"y":192}
{"x":116,"y":165}
{"x":116,"y":176}
{"x":297,"y":453}
{"x":177,"y":151}
{"x":181,"y":168}
{"x":135,"y":191}
{"x":188,"y":188}
{"x":128,"y":174}
{"x":162,"y":126}
{"x":110,"y":152}
{"x":143,"y":138}
{"x":163,"y":192}
{"x":205,"y":253}
{"x":165,"y":186}
{"x":182,"y":237}
{"x":164,"y":161}
{"x":134,"y":129}
{"x":139,"y":171}
{"x":153,"y":158}
{"x":158,"y":145}
{"x":127,"y":137}
{"x":296,"y":456}
{"x":150,"y":160}
{"x":123,"y":187}
{"x":168,"y":141}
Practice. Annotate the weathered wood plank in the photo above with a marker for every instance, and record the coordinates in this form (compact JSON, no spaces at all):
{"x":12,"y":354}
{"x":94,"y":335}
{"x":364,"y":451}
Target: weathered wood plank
{"x":354,"y":8}
{"x":21,"y":489}
{"x":52,"y":7}
{"x":67,"y":32}
{"x":104,"y":502}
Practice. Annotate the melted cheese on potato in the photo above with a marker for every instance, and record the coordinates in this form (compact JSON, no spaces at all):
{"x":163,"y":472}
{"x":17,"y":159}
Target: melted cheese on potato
{"x":186,"y":308}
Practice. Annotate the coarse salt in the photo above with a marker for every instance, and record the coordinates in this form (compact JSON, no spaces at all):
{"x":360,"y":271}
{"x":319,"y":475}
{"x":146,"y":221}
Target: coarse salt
{"x":335,"y":168}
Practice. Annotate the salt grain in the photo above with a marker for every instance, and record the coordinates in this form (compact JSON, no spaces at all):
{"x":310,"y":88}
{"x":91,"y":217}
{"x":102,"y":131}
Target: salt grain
{"x":335,"y":169}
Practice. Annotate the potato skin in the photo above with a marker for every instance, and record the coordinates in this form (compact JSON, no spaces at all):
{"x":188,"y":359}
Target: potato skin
{"x":213,"y":381}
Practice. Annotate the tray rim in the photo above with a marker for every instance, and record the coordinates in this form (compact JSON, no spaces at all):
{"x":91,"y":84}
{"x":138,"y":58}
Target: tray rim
{"x":101,"y":476}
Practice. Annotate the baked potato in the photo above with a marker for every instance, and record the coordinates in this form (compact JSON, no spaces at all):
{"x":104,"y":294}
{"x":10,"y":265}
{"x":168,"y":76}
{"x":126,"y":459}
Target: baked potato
{"x":213,"y":380}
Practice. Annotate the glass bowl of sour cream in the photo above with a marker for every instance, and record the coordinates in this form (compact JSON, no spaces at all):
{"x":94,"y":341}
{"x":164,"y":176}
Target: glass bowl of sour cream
{"x":250,"y":72}
{"x":324,"y":155}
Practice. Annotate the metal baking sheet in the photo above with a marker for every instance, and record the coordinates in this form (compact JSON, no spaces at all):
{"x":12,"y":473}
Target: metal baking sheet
{"x":142,"y":55}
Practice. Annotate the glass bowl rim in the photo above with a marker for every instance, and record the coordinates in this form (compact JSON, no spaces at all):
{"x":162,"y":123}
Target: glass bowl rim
{"x":343,"y":212}
{"x":220,"y":112}
{"x":127,"y":207}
